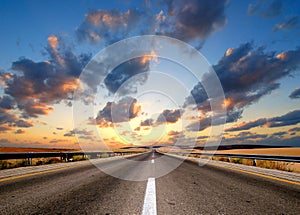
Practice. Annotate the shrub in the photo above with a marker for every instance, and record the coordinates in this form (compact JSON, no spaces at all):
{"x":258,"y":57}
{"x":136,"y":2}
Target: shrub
{"x":53,"y":160}
{"x":79,"y":158}
{"x":280,"y":165}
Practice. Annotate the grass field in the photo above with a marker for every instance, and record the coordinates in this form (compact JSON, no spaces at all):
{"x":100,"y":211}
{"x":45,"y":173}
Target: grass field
{"x":14,"y":149}
{"x":266,"y":151}
{"x":286,"y":166}
{"x":13,"y":163}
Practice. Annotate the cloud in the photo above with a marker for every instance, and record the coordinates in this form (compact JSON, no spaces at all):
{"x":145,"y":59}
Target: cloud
{"x":6,"y":102}
{"x":4,"y":128}
{"x":169,"y":116}
{"x":295,"y":94}
{"x":54,"y":141}
{"x":190,"y":20}
{"x":109,"y":26}
{"x":91,"y":138}
{"x":82,"y":132}
{"x":20,"y":131}
{"x":199,"y":125}
{"x":7,"y":118}
{"x":53,"y":49}
{"x":205,"y":121}
{"x":198,"y":95}
{"x":35,"y":86}
{"x":137,"y":128}
{"x":4,"y":141}
{"x":147,"y":122}
{"x":22,"y":124}
{"x":263,"y":139}
{"x":290,"y":22}
{"x":250,"y":135}
{"x":4,"y":77}
{"x":202,"y":137}
{"x":244,"y":138}
{"x":123,"y":72}
{"x":34,"y":108}
{"x":123,"y":110}
{"x":290,"y":118}
{"x":266,"y":8}
{"x":246,"y":75}
{"x":175,"y":136}
{"x":295,"y":129}
{"x":53,"y":41}
{"x":41,"y":122}
{"x":248,"y":125}
{"x":174,"y":133}
{"x":279,"y":134}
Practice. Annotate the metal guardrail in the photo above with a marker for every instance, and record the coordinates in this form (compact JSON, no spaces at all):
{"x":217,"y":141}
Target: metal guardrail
{"x":254,"y":157}
{"x":67,"y":156}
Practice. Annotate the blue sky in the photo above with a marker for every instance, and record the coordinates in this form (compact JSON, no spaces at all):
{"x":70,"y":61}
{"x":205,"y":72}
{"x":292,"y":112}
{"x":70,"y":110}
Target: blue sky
{"x":39,"y":37}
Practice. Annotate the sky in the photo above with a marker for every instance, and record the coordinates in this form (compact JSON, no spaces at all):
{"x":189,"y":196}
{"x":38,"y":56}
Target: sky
{"x":49,"y":99}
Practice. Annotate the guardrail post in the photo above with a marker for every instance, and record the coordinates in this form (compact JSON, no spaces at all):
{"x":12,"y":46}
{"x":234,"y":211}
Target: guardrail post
{"x":29,"y":161}
{"x":62,"y":156}
{"x":254,"y":162}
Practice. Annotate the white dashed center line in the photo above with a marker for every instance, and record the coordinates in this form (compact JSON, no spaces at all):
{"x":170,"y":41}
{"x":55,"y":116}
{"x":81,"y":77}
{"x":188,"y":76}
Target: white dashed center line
{"x":152,"y":161}
{"x":149,"y":207}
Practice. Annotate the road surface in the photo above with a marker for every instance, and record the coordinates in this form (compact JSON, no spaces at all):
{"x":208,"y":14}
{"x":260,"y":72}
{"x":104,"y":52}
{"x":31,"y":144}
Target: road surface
{"x":189,"y":189}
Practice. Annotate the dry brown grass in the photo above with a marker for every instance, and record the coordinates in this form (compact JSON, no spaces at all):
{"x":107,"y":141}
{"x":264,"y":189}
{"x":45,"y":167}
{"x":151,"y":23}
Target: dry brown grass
{"x":285,"y":166}
{"x":15,"y":149}
{"x":13,"y":163}
{"x":280,"y":165}
{"x":266,"y":151}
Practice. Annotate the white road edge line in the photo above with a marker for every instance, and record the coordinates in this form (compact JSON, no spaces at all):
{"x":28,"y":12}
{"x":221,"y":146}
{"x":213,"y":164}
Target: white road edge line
{"x":149,"y":207}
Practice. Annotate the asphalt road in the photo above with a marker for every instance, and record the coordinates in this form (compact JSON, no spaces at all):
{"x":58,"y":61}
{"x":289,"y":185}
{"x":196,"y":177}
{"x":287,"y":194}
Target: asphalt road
{"x":189,"y":189}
